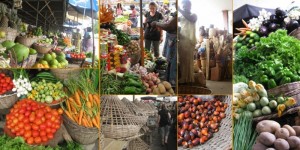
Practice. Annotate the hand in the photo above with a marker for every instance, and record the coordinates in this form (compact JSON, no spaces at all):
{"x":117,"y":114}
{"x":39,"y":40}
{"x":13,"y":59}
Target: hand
{"x":153,"y":24}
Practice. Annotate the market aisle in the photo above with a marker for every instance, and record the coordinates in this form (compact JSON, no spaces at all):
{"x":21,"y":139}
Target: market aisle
{"x":156,"y":141}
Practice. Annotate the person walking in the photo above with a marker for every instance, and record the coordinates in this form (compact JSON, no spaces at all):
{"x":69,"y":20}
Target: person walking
{"x":163,"y":122}
{"x":153,"y":36}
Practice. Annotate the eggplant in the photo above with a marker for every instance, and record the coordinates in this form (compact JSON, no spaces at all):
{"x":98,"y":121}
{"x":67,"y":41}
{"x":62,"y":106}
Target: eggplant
{"x":273,"y":27}
{"x":292,"y":25}
{"x":263,"y":31}
{"x":273,"y":18}
{"x":266,"y":22}
{"x":280,"y":13}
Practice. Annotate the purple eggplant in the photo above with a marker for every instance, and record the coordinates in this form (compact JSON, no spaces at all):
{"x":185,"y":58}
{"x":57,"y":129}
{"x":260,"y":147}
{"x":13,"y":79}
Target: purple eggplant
{"x":273,"y":27}
{"x":263,"y":31}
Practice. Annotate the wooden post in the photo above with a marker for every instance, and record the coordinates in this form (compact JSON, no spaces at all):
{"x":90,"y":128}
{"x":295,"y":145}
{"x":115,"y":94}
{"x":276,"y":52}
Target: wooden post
{"x":225,"y":17}
{"x":141,"y":34}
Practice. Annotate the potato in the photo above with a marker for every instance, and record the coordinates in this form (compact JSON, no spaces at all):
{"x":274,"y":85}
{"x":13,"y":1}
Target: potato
{"x":281,"y":144}
{"x":293,"y":141}
{"x":267,"y":126}
{"x":167,"y":85}
{"x":282,"y":133}
{"x":171,"y":91}
{"x":290,"y":129}
{"x":162,"y":89}
{"x":259,"y":146}
{"x":297,"y":129}
{"x":156,"y":91}
{"x":267,"y":138}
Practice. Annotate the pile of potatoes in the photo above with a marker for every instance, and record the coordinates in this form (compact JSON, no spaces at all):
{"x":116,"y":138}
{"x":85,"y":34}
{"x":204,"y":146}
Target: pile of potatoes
{"x":274,"y":137}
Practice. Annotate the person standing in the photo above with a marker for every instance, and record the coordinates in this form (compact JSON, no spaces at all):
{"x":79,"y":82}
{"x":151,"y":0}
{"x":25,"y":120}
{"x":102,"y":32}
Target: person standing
{"x":163,"y":122}
{"x":187,"y":42}
{"x":77,"y":40}
{"x":119,"y":9}
{"x":133,"y":16}
{"x":88,"y":41}
{"x":153,"y":36}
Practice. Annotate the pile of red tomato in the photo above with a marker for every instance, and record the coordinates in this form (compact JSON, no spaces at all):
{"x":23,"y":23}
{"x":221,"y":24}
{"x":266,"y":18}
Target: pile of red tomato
{"x":6,"y":83}
{"x":78,"y":56}
{"x":35,"y":122}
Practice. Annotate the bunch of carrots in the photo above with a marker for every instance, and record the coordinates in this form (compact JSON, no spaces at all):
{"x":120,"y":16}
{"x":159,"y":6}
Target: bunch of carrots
{"x":83,"y":104}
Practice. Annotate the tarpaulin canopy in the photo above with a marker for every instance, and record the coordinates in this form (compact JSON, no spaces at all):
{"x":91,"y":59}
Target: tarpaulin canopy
{"x":84,"y":7}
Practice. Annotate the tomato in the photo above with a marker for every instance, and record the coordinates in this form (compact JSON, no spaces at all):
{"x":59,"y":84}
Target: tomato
{"x":60,"y":111}
{"x":2,"y":75}
{"x":38,"y":121}
{"x":35,"y":127}
{"x":37,"y":140}
{"x":53,"y":118}
{"x":43,"y":126}
{"x":22,"y":110}
{"x":27,"y":113}
{"x":30,"y":140}
{"x":21,"y":125}
{"x":48,"y":130}
{"x":48,"y":109}
{"x":34,"y":108}
{"x":53,"y":130}
{"x":8,"y":126}
{"x":21,"y":132}
{"x":43,"y":133}
{"x":13,"y":131}
{"x":27,"y":127}
{"x":48,"y":123}
{"x":32,"y":117}
{"x":21,"y":117}
{"x":44,"y":138}
{"x":26,"y":120}
{"x":15,"y":120}
{"x":2,"y":81}
{"x":48,"y":116}
{"x":40,"y":113}
{"x":35,"y":133}
{"x":43,"y":119}
{"x":27,"y":134}
{"x":28,"y":108}
{"x":50,"y":136}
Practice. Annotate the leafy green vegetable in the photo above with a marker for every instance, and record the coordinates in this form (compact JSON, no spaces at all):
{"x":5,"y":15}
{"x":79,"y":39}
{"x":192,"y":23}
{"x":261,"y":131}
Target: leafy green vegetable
{"x":240,"y":78}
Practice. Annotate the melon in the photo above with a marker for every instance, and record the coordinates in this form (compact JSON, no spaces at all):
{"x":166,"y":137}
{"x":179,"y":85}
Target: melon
{"x":19,"y":52}
{"x":8,"y":44}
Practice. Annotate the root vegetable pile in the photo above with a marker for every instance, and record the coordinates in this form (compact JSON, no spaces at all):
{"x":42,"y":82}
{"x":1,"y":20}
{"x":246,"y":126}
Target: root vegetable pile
{"x":35,"y":122}
{"x":198,"y":120}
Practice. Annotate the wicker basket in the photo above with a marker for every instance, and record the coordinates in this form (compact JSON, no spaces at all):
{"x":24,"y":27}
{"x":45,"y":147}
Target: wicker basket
{"x":11,"y":34}
{"x":144,"y":108}
{"x":27,"y":41}
{"x":288,"y":90}
{"x":80,"y":134}
{"x":139,"y":114}
{"x":222,"y":139}
{"x":138,"y":144}
{"x":101,"y":140}
{"x":117,"y":121}
{"x":135,"y":58}
{"x":7,"y":101}
{"x":275,"y":115}
{"x":27,"y":63}
{"x":42,"y":49}
{"x":64,"y":74}
{"x":185,"y":89}
{"x":296,"y":33}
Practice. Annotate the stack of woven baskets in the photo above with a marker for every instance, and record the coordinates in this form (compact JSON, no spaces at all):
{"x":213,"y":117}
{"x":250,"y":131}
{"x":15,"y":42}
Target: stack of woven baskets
{"x":117,"y":121}
{"x":142,"y":117}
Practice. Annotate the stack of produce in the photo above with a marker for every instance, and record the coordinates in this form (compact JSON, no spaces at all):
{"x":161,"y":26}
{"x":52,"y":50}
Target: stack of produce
{"x":133,"y":47}
{"x":52,"y":60}
{"x":77,"y":56}
{"x":21,"y":82}
{"x":6,"y":84}
{"x":198,"y":120}
{"x":132,"y":84}
{"x":272,"y":135}
{"x":115,"y":60}
{"x":34,"y":122}
{"x":253,"y":100}
{"x":44,"y":42}
{"x":38,"y":31}
{"x":106,"y":14}
{"x":123,"y":38}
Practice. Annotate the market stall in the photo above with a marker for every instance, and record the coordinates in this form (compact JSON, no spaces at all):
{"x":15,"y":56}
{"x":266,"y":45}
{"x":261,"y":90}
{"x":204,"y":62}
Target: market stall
{"x":49,"y":109}
{"x":123,"y":58}
{"x":128,"y":123}
{"x":266,"y":99}
{"x":36,"y":42}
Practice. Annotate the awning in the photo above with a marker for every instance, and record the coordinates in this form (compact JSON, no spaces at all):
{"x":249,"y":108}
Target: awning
{"x":84,"y":7}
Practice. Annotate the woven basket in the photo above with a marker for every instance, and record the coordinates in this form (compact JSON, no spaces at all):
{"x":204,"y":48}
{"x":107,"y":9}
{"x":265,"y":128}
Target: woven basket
{"x":11,"y":34}
{"x":117,"y":121}
{"x":184,"y":89}
{"x":64,"y":74}
{"x":138,"y":144}
{"x":135,"y":58}
{"x":42,"y":49}
{"x":101,"y":140}
{"x":80,"y":134}
{"x":139,"y":114}
{"x":27,"y":41}
{"x":7,"y":101}
{"x":288,"y":90}
{"x":222,"y":139}
{"x":144,"y":108}
{"x":275,"y":115}
{"x":296,"y":33}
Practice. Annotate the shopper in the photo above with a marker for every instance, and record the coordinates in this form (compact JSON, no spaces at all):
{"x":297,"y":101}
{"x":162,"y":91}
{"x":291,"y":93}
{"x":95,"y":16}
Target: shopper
{"x":153,"y":36}
{"x":170,"y":47}
{"x":133,"y":16}
{"x":119,"y":9}
{"x":163,"y":122}
{"x":187,"y":42}
{"x":77,"y":40}
{"x":87,"y":40}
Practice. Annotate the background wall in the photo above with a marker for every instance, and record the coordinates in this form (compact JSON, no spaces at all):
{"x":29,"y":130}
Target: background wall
{"x":263,"y":3}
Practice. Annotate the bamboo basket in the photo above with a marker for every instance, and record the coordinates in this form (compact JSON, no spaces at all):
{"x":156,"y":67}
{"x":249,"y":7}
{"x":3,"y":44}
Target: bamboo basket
{"x":10,"y":33}
{"x":7,"y":101}
{"x":117,"y":121}
{"x":42,"y":49}
{"x":287,"y":90}
{"x":222,"y":139}
{"x":185,"y":89}
{"x":141,"y":117}
{"x":143,"y":107}
{"x":138,"y":144}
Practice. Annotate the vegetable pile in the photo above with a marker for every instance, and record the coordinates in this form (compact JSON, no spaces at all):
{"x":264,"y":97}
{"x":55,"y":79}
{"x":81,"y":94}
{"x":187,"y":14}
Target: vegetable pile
{"x":132,"y":84}
{"x":21,"y":82}
{"x":123,"y":38}
{"x":34,"y":122}
{"x":198,"y":120}
{"x":271,"y":134}
{"x":133,"y":47}
{"x":252,"y":100}
{"x":6,"y":84}
{"x":274,"y":62}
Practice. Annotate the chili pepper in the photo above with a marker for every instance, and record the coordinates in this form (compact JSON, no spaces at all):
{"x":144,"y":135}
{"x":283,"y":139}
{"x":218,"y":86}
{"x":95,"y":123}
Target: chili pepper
{"x":271,"y":84}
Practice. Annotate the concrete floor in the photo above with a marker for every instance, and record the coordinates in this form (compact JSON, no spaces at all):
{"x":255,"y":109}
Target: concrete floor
{"x":220,"y":87}
{"x":156,"y":141}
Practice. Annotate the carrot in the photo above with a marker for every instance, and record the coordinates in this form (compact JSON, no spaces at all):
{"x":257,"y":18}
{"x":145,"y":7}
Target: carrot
{"x":95,"y":123}
{"x":89,"y":104}
{"x":97,"y":99}
{"x":68,"y":105}
{"x":80,"y":116}
{"x":98,"y":118}
{"x":69,"y":115}
{"x":84,"y":122}
{"x":77,"y":98}
{"x":90,"y":97}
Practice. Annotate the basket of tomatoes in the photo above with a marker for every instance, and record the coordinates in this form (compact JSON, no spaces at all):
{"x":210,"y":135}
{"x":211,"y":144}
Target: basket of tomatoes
{"x":77,"y":58}
{"x":36,"y":123}
{"x":7,"y":97}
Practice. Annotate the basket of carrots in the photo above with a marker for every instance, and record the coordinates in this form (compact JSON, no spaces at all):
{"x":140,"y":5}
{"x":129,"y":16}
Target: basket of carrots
{"x":81,"y":110}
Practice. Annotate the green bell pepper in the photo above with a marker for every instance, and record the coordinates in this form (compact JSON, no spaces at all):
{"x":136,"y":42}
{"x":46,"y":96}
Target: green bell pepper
{"x":285,"y":80}
{"x":264,"y":79}
{"x":271,"y":84}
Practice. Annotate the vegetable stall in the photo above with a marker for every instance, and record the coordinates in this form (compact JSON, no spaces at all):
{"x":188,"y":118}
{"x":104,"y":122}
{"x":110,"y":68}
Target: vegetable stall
{"x":126,"y":68}
{"x":266,"y":78}
{"x":35,"y":42}
{"x":49,"y":109}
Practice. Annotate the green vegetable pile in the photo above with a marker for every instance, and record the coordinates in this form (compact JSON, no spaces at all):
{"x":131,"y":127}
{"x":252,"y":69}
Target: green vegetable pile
{"x":18,"y":143}
{"x":123,"y":38}
{"x":133,"y":85}
{"x":274,"y":62}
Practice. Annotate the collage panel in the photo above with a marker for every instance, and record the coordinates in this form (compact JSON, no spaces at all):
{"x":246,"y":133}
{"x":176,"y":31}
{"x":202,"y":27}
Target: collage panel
{"x":266,"y":74}
{"x":204,"y":122}
{"x":49,"y":34}
{"x":46,"y":109}
{"x":138,"y":42}
{"x":205,"y":47}
{"x":138,"y":122}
